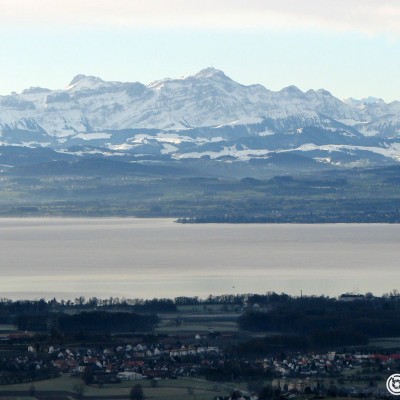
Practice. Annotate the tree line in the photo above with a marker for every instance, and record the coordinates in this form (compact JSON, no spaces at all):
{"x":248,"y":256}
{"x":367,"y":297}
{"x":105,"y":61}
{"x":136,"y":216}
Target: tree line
{"x":97,"y":321}
{"x":324,"y":322}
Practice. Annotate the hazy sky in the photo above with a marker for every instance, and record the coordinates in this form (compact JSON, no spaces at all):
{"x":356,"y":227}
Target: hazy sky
{"x":349,"y":47}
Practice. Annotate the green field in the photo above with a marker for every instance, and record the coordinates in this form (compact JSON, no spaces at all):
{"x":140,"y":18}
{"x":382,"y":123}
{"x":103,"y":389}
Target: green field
{"x":180,"y":389}
{"x":385,"y":343}
{"x":196,"y":320}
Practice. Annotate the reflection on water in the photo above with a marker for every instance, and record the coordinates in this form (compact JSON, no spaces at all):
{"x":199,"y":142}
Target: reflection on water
{"x":64,"y":258}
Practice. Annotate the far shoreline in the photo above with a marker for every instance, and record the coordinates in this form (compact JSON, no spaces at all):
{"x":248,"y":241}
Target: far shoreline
{"x":177,"y":220}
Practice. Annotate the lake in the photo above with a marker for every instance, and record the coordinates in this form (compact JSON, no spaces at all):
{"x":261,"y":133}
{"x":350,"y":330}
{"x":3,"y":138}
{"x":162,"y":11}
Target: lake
{"x":146,"y":258}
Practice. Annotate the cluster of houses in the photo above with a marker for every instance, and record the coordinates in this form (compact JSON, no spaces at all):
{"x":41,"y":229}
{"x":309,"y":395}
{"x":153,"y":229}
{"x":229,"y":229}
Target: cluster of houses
{"x":133,"y":362}
{"x":313,"y":374}
{"x":170,"y":359}
{"x":301,"y":372}
{"x":325,"y":364}
{"x":25,"y":368}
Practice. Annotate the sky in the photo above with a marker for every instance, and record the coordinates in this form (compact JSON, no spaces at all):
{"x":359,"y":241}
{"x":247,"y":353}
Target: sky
{"x":349,"y":47}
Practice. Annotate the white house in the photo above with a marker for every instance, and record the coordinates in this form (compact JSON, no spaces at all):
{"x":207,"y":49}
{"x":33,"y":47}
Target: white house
{"x":129,"y":376}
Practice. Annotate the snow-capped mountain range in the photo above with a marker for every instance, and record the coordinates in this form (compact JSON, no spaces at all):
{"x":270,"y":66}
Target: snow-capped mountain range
{"x":204,"y":115}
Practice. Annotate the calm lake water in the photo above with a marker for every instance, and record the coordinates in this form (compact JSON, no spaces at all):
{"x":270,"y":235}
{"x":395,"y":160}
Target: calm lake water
{"x":65,"y":258}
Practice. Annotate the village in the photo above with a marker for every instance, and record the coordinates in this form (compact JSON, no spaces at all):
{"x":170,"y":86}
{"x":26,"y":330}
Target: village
{"x":289,"y":375}
{"x":270,"y":347}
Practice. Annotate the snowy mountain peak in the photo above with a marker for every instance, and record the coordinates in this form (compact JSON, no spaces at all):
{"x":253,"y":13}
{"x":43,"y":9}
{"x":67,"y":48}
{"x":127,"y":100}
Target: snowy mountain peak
{"x":210,"y":72}
{"x":85,"y":82}
{"x":292,"y":90}
{"x":203,"y":75}
{"x":365,"y":101}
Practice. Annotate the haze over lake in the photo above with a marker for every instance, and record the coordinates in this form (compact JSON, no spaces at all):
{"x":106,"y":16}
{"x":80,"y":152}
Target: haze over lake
{"x":66,"y":258}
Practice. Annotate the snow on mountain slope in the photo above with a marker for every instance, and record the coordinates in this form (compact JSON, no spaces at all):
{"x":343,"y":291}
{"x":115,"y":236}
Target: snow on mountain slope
{"x":206,"y":114}
{"x":387,"y":126}
{"x":209,"y":98}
